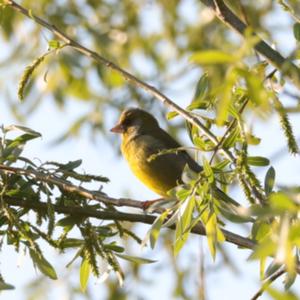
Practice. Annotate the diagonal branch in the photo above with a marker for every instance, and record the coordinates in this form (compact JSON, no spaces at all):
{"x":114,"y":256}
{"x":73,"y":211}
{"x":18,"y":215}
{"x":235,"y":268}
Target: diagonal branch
{"x":131,"y":78}
{"x":227,"y":16}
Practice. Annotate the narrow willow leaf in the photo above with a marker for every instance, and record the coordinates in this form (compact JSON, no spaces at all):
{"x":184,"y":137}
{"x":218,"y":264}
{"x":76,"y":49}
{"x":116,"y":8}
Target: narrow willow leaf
{"x":6,"y":286}
{"x":211,"y":233}
{"x":258,"y":161}
{"x":136,"y":259}
{"x":85,"y":271}
{"x":43,"y":265}
{"x":208,"y":171}
{"x":210,"y":57}
{"x":226,"y":100}
{"x":172,"y":114}
{"x":269,"y":180}
{"x":22,"y":128}
{"x":232,"y":138}
{"x":296,"y":30}
{"x":282,"y":203}
{"x":71,"y":165}
{"x":183,"y":225}
{"x":155,"y":228}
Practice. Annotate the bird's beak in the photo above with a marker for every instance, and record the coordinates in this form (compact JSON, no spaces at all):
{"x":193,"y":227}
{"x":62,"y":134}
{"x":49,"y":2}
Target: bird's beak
{"x":119,"y":128}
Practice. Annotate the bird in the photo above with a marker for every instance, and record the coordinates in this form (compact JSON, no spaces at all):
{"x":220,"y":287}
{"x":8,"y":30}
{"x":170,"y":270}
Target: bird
{"x":142,"y":137}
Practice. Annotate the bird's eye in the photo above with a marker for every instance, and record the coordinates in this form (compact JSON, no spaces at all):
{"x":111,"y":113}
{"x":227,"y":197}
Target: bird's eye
{"x":127,"y":122}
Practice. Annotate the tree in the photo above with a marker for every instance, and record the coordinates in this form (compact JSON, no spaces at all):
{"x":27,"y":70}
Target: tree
{"x":239,"y":79}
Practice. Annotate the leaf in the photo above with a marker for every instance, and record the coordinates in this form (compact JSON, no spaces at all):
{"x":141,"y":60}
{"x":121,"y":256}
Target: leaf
{"x":43,"y":265}
{"x":85,"y":271}
{"x":183,"y":226}
{"x":199,"y":101}
{"x":54,"y":44}
{"x":281,"y":203}
{"x":210,"y":57}
{"x":113,"y":247}
{"x":208,"y":171}
{"x":71,"y":165}
{"x":155,"y":228}
{"x":136,"y":259}
{"x":213,"y":233}
{"x":22,"y":128}
{"x":258,"y":161}
{"x":264,"y":249}
{"x":296,"y":30}
{"x":232,"y":138}
{"x":269,"y":180}
{"x":6,"y":286}
{"x":172,"y":114}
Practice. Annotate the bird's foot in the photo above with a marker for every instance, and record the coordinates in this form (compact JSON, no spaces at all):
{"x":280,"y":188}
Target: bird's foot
{"x":148,"y":203}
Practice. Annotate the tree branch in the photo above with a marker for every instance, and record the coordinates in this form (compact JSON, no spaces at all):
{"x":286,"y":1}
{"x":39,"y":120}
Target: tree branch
{"x":267,"y":283}
{"x":126,"y":75}
{"x":121,"y":216}
{"x":223,"y":12}
{"x":131,"y":78}
{"x":71,"y":188}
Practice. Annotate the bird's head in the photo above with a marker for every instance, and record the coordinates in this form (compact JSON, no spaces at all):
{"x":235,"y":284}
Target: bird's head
{"x":135,"y":121}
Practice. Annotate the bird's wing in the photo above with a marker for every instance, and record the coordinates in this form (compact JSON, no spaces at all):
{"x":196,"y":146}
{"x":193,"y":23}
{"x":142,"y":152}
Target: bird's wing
{"x":171,"y":143}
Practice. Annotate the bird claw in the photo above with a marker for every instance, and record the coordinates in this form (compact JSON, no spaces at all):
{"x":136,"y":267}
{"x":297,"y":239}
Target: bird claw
{"x":148,"y":203}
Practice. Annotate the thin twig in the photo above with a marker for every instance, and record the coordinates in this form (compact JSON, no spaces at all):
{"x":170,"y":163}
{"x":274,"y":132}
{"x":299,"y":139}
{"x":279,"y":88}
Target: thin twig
{"x":267,"y":283}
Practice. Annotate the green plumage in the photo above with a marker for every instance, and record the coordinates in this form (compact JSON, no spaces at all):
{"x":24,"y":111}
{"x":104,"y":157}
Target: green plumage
{"x":141,"y":138}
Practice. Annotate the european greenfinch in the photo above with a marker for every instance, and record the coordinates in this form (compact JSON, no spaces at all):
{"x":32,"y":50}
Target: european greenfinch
{"x":142,"y":138}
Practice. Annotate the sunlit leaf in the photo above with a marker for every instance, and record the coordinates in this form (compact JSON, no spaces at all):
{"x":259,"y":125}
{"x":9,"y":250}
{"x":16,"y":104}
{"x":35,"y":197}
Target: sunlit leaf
{"x":136,"y":259}
{"x":209,"y":57}
{"x":85,"y":270}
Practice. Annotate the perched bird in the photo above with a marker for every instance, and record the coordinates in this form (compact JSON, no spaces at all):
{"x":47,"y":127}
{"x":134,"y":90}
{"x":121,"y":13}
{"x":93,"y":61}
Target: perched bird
{"x":141,"y":138}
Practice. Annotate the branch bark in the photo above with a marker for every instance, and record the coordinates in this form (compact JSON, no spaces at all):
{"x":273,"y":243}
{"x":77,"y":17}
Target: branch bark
{"x":121,"y":216}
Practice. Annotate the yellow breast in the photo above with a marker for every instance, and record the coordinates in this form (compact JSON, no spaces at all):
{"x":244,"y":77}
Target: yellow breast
{"x":161,"y":174}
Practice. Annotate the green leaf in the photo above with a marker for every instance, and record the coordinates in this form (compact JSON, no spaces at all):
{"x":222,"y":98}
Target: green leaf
{"x":136,"y":259}
{"x":6,"y":286}
{"x":213,"y":233}
{"x":269,"y":180}
{"x":155,"y":228}
{"x":43,"y":265}
{"x":183,"y":225}
{"x":22,"y":128}
{"x":172,"y":114}
{"x":208,"y":171}
{"x":85,"y":271}
{"x":210,"y":57}
{"x":232,"y":138}
{"x":71,"y":243}
{"x":71,"y":165}
{"x":54,"y":44}
{"x":113,"y":247}
{"x":264,"y":249}
{"x":282,"y":203}
{"x":296,"y":30}
{"x":258,"y":161}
